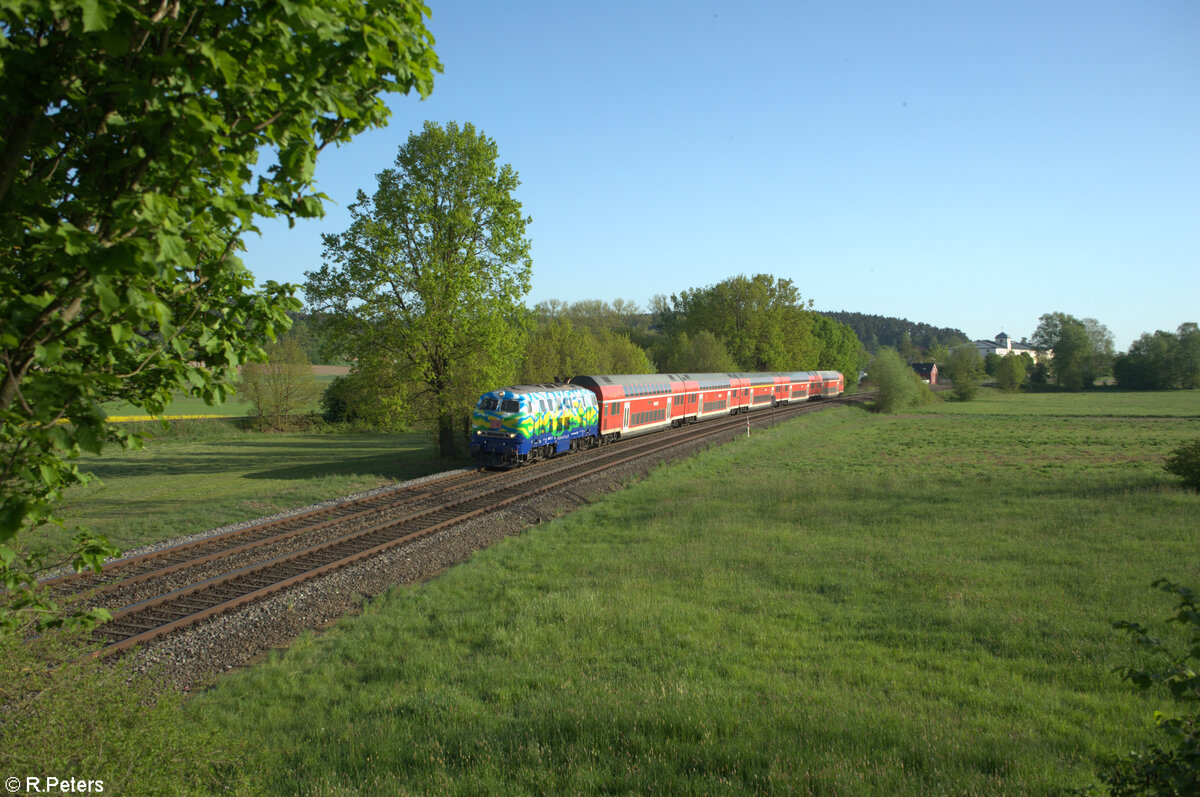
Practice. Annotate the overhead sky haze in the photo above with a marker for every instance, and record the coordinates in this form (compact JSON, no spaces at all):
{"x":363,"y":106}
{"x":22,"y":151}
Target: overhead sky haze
{"x":970,"y":165}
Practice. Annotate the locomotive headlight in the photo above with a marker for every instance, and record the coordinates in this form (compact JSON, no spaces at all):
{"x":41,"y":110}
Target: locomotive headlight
{"x":511,"y":435}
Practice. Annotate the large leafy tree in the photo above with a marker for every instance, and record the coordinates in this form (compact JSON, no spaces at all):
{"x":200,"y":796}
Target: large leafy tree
{"x":965,"y":369}
{"x":130,"y":134}
{"x":1083,"y":349}
{"x":763,"y":325}
{"x":761,"y":320}
{"x":424,"y":291}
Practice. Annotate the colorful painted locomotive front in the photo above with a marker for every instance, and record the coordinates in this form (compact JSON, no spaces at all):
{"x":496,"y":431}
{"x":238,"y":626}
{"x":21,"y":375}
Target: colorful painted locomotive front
{"x":515,"y":424}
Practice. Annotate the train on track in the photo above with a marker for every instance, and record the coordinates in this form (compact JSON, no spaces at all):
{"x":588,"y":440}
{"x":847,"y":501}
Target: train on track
{"x":525,"y":423}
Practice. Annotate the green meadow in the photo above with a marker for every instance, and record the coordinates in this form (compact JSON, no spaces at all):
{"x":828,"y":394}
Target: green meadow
{"x":845,"y":604}
{"x":201,"y":474}
{"x":183,"y":404}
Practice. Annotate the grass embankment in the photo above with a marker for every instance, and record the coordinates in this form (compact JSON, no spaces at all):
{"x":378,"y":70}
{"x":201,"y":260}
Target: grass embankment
{"x":846,"y":604}
{"x":203,"y":474}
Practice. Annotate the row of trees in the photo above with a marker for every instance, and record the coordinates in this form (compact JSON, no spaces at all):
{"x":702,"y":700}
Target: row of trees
{"x":1161,"y":361}
{"x":756,"y":318}
{"x":908,"y":338}
{"x":764,"y":325}
{"x":423,"y":294}
{"x":1083,"y":354}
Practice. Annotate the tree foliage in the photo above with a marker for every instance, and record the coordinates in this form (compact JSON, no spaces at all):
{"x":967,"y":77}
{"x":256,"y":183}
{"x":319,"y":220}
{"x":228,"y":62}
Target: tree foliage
{"x":1011,"y":371}
{"x":761,"y":321}
{"x":965,"y":369}
{"x":896,"y":384}
{"x":1184,"y":462}
{"x":877,"y":330}
{"x":701,"y":353}
{"x":763,"y":325}
{"x":1172,"y":767}
{"x":423,"y":291}
{"x":558,"y":350}
{"x":129,"y":144}
{"x":1161,"y":361}
{"x":281,"y":386}
{"x":1083,"y":349}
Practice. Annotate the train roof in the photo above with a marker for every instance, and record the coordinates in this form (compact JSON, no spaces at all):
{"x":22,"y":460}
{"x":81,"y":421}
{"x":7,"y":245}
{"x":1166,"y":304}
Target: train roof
{"x":627,"y":380}
{"x":519,"y":390}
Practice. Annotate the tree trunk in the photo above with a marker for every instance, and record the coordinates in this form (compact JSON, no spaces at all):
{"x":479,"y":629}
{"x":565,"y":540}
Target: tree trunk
{"x":446,"y":446}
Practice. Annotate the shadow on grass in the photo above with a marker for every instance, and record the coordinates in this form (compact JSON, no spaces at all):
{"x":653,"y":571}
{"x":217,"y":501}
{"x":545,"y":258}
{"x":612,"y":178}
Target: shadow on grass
{"x":272,"y":458}
{"x":384,"y":465}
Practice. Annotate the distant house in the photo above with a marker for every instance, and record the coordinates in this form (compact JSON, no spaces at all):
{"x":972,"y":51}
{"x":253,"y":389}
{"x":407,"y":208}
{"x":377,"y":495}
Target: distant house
{"x":1004,"y":345}
{"x":927,"y":372}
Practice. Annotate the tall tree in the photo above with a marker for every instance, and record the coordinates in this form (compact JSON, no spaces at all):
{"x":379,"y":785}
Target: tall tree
{"x":761,"y":321}
{"x":1188,"y":358}
{"x":1098,"y":362}
{"x":425,"y":288}
{"x":129,"y":142}
{"x":965,"y":369}
{"x":1082,"y":349}
{"x":281,"y":386}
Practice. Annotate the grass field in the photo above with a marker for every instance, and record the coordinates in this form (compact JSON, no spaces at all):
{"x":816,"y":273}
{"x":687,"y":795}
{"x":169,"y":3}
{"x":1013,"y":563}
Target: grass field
{"x":847,"y":604}
{"x":206,"y":474}
{"x":190,"y":405}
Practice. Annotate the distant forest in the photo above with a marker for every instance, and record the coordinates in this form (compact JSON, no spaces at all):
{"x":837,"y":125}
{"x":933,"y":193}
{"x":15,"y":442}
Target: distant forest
{"x":873,"y":331}
{"x":899,"y":333}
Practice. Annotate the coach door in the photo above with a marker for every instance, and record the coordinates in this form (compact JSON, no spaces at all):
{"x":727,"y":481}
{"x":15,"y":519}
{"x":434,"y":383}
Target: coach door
{"x":625,"y":419}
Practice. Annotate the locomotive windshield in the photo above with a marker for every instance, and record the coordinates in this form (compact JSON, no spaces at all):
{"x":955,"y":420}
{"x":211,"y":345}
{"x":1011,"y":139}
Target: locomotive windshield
{"x":488,"y":404}
{"x":510,"y":405}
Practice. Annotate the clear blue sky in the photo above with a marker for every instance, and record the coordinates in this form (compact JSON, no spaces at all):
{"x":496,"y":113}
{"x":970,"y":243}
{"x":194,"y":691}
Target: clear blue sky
{"x":964,"y":164}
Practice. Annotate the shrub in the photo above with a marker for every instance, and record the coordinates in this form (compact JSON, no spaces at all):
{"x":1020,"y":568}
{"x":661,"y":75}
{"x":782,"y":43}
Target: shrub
{"x":337,"y":402}
{"x":1172,"y":768}
{"x":1184,"y":462}
{"x":1010,"y":373}
{"x":965,"y":369}
{"x":897,"y":384}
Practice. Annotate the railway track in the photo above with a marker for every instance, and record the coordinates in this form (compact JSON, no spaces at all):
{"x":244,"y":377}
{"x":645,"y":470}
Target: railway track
{"x":324,"y":540}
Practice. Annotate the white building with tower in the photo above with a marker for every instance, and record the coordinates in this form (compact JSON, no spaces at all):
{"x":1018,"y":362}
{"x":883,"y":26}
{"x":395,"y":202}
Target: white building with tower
{"x":1004,"y":345}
